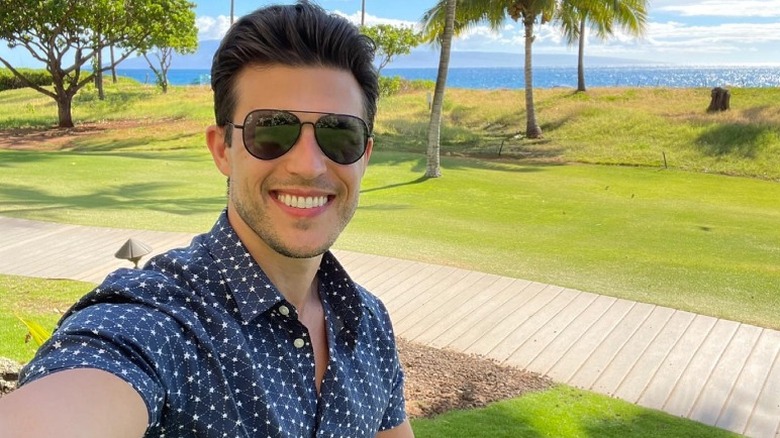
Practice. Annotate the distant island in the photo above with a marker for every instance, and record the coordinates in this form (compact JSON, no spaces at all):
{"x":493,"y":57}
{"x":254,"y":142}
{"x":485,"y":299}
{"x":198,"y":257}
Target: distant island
{"x":421,"y":57}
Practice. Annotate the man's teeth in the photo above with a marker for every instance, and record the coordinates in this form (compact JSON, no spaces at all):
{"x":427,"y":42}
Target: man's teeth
{"x":302,"y":201}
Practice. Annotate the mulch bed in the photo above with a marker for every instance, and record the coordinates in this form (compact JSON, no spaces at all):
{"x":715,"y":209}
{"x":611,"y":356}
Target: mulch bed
{"x":438,"y":381}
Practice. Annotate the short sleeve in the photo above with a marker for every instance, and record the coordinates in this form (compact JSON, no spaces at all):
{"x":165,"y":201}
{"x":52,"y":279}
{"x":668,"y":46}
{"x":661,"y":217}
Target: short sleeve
{"x":395,"y":414}
{"x":117,"y":338}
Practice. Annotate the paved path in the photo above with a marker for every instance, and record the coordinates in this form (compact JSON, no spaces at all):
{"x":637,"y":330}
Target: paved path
{"x":711,"y":370}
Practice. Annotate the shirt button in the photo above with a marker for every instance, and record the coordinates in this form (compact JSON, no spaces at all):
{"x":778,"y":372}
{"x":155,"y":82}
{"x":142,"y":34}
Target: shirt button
{"x":298,"y":342}
{"x":284,"y":310}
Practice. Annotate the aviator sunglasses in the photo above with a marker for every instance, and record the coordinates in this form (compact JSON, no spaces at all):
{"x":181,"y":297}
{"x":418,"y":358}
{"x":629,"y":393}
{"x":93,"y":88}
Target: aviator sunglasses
{"x":271,"y":133}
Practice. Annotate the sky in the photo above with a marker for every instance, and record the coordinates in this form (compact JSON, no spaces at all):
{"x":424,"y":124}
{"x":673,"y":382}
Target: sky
{"x":685,"y":32}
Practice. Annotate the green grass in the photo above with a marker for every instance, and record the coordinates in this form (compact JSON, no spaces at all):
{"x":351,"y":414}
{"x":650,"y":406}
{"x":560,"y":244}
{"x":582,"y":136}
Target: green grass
{"x":625,"y":126}
{"x":39,"y":300}
{"x":562,"y":412}
{"x":697,"y":242}
{"x":559,"y":412}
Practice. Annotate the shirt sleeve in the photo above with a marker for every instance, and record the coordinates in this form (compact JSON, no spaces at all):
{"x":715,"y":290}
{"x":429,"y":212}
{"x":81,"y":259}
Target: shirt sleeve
{"x":395,"y":414}
{"x":117,"y":338}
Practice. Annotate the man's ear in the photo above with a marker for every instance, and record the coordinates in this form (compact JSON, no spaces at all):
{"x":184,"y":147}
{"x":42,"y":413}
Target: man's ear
{"x":367,"y":154}
{"x":220,"y":151}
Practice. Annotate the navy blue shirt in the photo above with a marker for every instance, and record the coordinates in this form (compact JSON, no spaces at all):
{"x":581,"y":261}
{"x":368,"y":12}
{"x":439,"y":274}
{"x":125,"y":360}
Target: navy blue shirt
{"x":216,"y":351}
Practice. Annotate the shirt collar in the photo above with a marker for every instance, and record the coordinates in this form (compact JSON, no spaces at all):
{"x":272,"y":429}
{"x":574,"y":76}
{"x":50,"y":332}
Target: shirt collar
{"x":254,"y":293}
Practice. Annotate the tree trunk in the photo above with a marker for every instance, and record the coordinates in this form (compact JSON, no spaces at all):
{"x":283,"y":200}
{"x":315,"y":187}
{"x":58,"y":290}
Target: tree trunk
{"x":64,"y":104}
{"x":98,"y":66}
{"x":581,"y":58}
{"x":433,"y":168}
{"x":113,"y":66}
{"x":532,"y":130}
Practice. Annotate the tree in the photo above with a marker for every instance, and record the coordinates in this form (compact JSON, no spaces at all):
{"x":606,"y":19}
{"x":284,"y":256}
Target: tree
{"x":444,"y":39}
{"x":495,"y":13}
{"x":602,"y":15}
{"x":66,"y":34}
{"x":391,"y":41}
{"x":164,"y":44}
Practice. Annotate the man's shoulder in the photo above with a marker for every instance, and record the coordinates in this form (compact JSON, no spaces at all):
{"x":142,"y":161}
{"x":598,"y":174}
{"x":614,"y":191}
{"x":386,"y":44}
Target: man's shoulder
{"x":165,"y":276}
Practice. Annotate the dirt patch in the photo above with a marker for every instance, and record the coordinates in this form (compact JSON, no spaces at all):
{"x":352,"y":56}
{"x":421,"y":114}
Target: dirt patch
{"x":54,"y":139}
{"x":437,"y":381}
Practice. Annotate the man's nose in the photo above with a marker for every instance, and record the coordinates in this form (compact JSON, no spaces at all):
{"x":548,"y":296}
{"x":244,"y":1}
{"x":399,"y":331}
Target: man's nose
{"x":306,"y":158}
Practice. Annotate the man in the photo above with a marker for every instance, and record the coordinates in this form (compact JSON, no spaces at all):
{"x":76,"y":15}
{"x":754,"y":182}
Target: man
{"x":253,"y":330}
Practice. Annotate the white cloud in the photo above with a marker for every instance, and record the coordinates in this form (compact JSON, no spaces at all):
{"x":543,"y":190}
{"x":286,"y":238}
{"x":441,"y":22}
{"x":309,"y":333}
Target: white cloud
{"x":722,"y":8}
{"x":212,"y":28}
{"x":672,"y":41}
{"x":372,"y":20}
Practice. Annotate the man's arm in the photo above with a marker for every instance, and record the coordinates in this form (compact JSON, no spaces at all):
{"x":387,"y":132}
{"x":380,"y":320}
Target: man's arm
{"x":403,"y":430}
{"x":74,"y":403}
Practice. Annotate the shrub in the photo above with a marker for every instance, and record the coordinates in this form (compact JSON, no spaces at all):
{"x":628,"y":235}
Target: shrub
{"x":9,"y":81}
{"x":389,"y":86}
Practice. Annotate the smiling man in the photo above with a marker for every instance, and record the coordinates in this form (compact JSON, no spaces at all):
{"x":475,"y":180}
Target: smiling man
{"x":254,"y":329}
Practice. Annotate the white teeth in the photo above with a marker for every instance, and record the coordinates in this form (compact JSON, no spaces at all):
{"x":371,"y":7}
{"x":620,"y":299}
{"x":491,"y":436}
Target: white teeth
{"x":302,"y":201}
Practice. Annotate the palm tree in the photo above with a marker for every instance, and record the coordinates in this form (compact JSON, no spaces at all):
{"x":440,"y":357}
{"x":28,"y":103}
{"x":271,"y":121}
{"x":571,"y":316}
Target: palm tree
{"x":495,"y":13}
{"x":433,"y":168}
{"x":602,"y":15}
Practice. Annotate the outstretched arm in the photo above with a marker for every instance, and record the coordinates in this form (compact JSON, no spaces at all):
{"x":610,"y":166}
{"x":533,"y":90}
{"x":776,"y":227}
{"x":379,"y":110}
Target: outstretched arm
{"x":74,"y":403}
{"x":403,"y":430}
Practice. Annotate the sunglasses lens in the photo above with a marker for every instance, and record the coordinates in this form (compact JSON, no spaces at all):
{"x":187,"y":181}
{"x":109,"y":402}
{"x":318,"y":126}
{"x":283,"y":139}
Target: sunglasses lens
{"x":270,"y":134}
{"x":342,"y":138}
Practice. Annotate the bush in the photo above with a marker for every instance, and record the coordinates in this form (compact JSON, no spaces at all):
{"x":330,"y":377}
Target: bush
{"x":9,"y":81}
{"x":389,"y":86}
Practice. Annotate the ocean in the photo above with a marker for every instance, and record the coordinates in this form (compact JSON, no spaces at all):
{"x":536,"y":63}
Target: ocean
{"x":551,"y":77}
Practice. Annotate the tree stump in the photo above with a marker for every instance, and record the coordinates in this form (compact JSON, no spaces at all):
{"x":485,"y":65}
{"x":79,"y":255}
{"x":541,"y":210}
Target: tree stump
{"x":720,"y":100}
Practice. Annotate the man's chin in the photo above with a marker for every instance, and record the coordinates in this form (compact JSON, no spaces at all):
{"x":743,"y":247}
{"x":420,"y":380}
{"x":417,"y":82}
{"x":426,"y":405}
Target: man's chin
{"x":301,"y":253}
{"x":297,"y":248}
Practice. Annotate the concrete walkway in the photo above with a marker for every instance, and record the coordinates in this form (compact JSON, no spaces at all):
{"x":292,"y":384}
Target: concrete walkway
{"x":718,"y":372}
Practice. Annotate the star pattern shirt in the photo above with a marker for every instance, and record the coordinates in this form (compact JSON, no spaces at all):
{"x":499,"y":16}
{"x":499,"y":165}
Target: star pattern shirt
{"x":216,"y":351}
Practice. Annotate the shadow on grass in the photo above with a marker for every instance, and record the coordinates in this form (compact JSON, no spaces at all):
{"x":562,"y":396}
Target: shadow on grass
{"x":392,"y":186}
{"x":123,"y":197}
{"x":456,"y":161}
{"x":738,"y":139}
{"x":652,"y":424}
{"x":509,"y":420}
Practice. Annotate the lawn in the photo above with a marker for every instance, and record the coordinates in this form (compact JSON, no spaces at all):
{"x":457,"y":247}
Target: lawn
{"x":698,"y":242}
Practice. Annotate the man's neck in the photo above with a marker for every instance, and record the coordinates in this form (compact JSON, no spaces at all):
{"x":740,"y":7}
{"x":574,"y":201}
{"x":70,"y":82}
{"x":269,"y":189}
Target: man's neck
{"x":293,"y":277}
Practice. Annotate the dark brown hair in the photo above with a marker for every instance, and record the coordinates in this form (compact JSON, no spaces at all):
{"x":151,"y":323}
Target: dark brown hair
{"x":300,"y":35}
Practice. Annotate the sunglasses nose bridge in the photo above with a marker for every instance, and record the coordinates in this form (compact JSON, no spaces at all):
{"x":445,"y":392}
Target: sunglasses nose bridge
{"x":301,"y":131}
{"x":308,"y":157}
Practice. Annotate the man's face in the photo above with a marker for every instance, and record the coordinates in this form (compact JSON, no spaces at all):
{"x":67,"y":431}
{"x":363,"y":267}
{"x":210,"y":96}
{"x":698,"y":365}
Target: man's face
{"x":297,"y":204}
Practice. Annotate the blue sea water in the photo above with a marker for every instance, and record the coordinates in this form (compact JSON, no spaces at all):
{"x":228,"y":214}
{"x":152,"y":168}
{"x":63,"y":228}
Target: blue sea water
{"x":550,"y":77}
